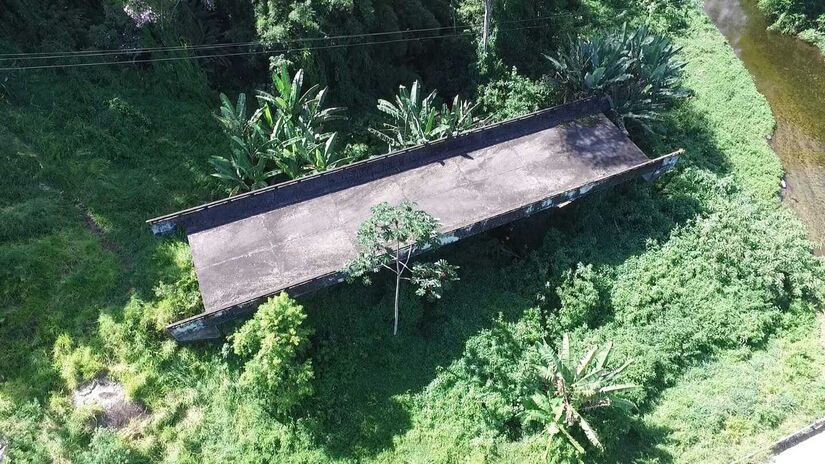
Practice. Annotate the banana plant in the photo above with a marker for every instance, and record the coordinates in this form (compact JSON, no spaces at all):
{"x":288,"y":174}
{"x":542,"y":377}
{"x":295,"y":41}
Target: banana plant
{"x":284,"y":136}
{"x":460,"y":116}
{"x":297,"y":120}
{"x":414,"y":118}
{"x":247,"y":167}
{"x":569,"y":389}
{"x":303,"y":110}
{"x":300,"y":153}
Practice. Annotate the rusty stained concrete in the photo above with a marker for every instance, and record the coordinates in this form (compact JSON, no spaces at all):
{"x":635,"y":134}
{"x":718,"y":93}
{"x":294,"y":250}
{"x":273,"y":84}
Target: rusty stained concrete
{"x":262,"y":254}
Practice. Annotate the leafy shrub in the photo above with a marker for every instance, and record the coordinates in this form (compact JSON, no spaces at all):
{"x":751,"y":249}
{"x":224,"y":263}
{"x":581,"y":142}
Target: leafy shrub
{"x":76,"y":364}
{"x":513,"y":95}
{"x":570,"y":389}
{"x":23,"y":433}
{"x":415,"y":118}
{"x":814,"y":36}
{"x":638,"y":71}
{"x":273,"y":344}
{"x":107,"y":448}
{"x":794,"y":16}
{"x":578,"y":298}
{"x":489,"y":382}
{"x":723,"y":280}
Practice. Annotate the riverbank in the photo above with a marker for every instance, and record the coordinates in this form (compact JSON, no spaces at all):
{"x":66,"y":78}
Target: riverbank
{"x":788,"y":72}
{"x":813,"y":37}
{"x":804,"y":19}
{"x":732,"y":405}
{"x":703,"y":279}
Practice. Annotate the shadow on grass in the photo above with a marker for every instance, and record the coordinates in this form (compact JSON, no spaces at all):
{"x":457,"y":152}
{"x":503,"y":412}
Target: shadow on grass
{"x":639,"y":442}
{"x":366,"y":379}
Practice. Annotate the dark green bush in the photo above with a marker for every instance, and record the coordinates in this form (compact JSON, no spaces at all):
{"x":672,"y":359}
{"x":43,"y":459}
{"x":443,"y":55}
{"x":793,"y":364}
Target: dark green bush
{"x":579,"y":299}
{"x":513,"y":95}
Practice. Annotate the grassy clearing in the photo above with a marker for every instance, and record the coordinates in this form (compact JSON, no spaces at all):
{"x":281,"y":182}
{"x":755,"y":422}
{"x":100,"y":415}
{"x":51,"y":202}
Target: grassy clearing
{"x":700,"y":277}
{"x":737,"y":405}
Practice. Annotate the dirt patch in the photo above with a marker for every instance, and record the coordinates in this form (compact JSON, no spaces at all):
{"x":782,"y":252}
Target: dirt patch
{"x":109,"y":397}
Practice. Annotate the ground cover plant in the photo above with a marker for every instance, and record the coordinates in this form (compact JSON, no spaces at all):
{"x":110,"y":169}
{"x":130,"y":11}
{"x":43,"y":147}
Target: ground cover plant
{"x":703,"y":279}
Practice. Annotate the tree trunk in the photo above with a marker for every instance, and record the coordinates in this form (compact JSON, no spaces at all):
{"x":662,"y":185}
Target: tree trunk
{"x":397,"y":288}
{"x":488,"y":20}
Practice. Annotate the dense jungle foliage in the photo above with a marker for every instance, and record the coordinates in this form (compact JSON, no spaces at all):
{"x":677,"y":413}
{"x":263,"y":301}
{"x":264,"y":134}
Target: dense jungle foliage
{"x":803,"y":17}
{"x":702,"y":279}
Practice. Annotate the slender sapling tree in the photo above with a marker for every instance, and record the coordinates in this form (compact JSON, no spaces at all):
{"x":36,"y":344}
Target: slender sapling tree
{"x":389,"y":239}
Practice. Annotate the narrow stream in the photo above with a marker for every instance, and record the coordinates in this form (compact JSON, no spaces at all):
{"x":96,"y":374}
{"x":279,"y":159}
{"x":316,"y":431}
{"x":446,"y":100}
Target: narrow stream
{"x":791,"y":75}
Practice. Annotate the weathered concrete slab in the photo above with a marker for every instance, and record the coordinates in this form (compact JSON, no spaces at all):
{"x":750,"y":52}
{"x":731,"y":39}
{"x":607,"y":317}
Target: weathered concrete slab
{"x":805,"y":446}
{"x":267,"y":252}
{"x":299,"y":237}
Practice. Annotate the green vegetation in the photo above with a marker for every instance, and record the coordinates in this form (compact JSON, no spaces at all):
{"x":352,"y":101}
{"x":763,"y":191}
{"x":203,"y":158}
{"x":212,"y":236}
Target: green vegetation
{"x":415,"y":119}
{"x":638,"y":71}
{"x":745,"y":399}
{"x":388,"y":239}
{"x":806,"y":18}
{"x":703,"y":278}
{"x":570,"y":390}
{"x":274,"y":342}
{"x":284,"y":137}
{"x":247,"y":166}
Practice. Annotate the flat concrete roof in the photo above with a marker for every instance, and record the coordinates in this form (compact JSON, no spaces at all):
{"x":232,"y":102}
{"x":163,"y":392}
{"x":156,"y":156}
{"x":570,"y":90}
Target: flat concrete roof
{"x":264,"y":253}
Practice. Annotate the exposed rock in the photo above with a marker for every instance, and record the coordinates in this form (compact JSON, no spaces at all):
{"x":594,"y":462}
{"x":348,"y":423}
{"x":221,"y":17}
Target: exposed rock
{"x":2,"y":450}
{"x":109,"y":397}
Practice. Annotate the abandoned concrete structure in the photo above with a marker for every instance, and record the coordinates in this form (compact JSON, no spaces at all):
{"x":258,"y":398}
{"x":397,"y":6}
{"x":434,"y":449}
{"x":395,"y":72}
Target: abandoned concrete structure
{"x":297,"y":236}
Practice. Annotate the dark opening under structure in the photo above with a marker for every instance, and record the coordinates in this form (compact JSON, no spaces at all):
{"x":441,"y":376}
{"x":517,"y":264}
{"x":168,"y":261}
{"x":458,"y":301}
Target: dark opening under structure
{"x":298,"y":235}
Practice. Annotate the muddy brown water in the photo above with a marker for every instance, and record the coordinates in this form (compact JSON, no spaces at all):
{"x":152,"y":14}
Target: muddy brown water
{"x":791,"y":75}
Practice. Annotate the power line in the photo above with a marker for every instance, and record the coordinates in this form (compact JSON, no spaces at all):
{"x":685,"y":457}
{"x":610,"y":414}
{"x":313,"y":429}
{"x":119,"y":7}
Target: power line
{"x":255,"y":52}
{"x":202,"y":47}
{"x":92,"y":53}
{"x":219,"y":55}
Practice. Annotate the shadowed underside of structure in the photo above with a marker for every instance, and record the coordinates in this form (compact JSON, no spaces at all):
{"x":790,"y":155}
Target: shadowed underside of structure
{"x":297,"y":236}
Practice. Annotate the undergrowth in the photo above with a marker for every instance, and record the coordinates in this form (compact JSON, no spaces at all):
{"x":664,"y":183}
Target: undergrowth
{"x":703,"y":278}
